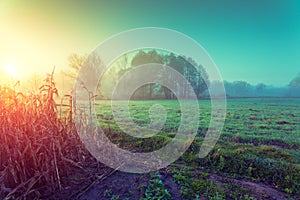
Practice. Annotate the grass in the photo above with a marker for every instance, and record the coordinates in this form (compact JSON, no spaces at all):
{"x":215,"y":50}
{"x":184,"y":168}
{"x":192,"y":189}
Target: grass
{"x":156,"y":189}
{"x":260,"y":140}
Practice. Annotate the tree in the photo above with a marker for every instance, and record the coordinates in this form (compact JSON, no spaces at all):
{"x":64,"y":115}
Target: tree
{"x":260,"y":87}
{"x":195,"y":74}
{"x":294,"y":87}
{"x":295,"y":83}
{"x":238,"y":89}
{"x":143,"y":57}
{"x":75,"y":63}
{"x":198,"y":77}
{"x":112,"y":74}
{"x":92,"y":63}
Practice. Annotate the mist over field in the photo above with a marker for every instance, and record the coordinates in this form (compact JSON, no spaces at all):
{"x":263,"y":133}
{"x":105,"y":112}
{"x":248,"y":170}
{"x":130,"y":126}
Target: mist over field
{"x":142,"y":100}
{"x":244,"y":89}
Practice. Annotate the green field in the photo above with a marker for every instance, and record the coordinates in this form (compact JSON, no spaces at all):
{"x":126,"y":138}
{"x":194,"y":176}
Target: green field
{"x":257,"y":155}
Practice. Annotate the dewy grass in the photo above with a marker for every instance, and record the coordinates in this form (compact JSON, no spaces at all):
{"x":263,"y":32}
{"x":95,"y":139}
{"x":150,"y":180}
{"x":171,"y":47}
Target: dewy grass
{"x":260,"y":139}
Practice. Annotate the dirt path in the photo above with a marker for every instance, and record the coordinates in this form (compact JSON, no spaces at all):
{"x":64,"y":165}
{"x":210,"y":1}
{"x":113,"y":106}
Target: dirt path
{"x":260,"y":190}
{"x":119,"y":185}
{"x":122,"y":185}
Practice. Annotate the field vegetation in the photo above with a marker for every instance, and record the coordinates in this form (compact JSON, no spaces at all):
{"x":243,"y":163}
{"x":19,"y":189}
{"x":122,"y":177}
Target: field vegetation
{"x":42,"y":157}
{"x":259,"y":145}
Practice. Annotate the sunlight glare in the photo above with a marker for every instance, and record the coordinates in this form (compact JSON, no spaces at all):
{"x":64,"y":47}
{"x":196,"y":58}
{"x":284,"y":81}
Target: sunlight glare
{"x":11,"y":70}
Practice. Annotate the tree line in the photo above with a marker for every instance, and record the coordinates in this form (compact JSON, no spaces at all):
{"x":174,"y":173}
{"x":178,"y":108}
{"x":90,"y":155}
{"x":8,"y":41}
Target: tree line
{"x":194,"y":73}
{"x":183,"y":65}
{"x":245,"y":89}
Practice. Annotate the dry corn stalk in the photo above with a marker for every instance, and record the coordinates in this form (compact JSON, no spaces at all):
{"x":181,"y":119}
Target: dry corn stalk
{"x":37,"y":147}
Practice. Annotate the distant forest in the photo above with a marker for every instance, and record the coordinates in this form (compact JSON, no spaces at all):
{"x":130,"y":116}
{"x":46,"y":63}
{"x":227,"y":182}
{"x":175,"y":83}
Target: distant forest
{"x":198,"y":78}
{"x":185,"y":66}
{"x":244,"y":89}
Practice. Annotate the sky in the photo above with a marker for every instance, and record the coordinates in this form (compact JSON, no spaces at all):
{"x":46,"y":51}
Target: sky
{"x":255,"y":41}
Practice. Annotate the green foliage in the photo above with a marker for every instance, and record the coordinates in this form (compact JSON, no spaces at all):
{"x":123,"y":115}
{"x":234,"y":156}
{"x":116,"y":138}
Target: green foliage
{"x":193,"y":187}
{"x":208,"y":188}
{"x":107,"y":193}
{"x":115,"y":197}
{"x":246,"y":197}
{"x":182,"y":176}
{"x":260,"y":140}
{"x":277,"y":172}
{"x":236,"y":191}
{"x":193,"y":72}
{"x":156,"y":189}
{"x":295,"y":83}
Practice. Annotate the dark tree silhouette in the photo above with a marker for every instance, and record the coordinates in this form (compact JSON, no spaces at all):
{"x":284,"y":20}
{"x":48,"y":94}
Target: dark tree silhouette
{"x":185,"y":66}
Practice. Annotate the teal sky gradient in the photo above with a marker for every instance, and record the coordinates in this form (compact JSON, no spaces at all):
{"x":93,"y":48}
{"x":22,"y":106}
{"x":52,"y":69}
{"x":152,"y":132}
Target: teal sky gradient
{"x":256,"y":41}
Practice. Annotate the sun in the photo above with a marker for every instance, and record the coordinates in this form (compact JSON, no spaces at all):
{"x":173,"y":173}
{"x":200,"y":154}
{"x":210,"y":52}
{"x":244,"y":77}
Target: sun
{"x":11,"y":70}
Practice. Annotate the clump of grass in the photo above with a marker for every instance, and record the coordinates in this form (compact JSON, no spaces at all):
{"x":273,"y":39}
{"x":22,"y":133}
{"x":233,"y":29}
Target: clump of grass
{"x":156,"y":189}
{"x":37,"y":148}
{"x":194,"y":187}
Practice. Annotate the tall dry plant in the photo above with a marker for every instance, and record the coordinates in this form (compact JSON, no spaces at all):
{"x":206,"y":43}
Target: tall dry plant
{"x":38,"y":148}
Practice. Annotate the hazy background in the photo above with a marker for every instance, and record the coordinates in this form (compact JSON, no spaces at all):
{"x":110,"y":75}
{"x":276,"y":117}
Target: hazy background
{"x":255,"y":41}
